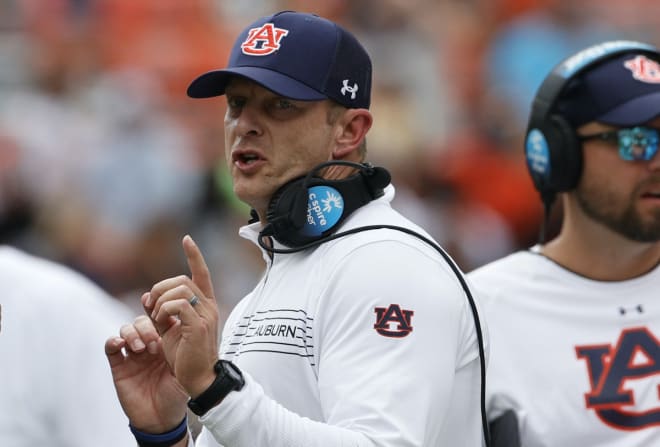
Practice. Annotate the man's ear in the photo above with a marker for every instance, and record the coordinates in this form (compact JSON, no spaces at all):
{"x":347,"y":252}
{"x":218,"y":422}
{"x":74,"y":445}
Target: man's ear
{"x":353,"y":126}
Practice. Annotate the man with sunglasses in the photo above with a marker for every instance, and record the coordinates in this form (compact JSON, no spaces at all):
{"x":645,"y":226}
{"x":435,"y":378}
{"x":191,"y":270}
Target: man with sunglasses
{"x":575,"y":321}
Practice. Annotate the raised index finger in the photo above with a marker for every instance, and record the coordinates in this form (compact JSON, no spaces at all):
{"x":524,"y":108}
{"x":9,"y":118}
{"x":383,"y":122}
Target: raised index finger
{"x":198,"y":268}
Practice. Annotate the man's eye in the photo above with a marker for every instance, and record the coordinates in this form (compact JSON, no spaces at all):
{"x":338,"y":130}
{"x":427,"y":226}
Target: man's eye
{"x":283,"y":104}
{"x":235,"y":102}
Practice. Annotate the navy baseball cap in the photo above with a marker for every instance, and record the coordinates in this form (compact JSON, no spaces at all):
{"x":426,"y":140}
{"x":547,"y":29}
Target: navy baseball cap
{"x":623,"y":91}
{"x":299,"y":56}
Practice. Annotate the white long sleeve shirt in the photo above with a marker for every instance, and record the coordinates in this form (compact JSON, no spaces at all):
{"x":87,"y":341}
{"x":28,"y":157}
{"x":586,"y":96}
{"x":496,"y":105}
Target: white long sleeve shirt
{"x":577,"y":360}
{"x":367,"y":340}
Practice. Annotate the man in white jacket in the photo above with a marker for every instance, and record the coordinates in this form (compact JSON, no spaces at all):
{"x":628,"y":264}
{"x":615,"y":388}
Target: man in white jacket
{"x":353,"y":337}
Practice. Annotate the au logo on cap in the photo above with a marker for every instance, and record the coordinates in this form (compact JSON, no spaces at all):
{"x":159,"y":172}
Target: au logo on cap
{"x":644,"y":69}
{"x":264,"y":40}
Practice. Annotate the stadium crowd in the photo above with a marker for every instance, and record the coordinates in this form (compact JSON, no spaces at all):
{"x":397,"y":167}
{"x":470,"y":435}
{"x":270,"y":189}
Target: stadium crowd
{"x":105,"y":162}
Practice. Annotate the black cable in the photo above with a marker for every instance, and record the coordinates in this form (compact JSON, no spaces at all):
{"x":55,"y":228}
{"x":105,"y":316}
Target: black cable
{"x":548,"y":199}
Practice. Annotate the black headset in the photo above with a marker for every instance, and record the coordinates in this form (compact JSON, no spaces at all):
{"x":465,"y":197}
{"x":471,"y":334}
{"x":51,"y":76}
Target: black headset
{"x":552,"y":148}
{"x":309,"y":208}
{"x":305,"y":212}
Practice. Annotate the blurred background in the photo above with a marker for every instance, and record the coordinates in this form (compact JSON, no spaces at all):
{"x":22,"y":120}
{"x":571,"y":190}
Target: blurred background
{"x":105,"y":163}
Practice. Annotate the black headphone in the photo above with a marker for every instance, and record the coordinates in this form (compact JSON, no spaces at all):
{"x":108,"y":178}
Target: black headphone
{"x":309,"y":208}
{"x":304,"y":212}
{"x":552,"y":148}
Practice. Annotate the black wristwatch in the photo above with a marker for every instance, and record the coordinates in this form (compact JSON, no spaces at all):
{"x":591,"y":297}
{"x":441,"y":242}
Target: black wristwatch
{"x":228,"y":378}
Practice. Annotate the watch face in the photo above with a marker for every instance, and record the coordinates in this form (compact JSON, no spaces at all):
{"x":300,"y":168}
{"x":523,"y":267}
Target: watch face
{"x":234,"y":374}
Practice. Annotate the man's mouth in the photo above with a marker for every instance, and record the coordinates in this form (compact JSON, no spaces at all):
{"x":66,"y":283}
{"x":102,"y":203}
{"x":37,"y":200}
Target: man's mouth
{"x":248,"y":158}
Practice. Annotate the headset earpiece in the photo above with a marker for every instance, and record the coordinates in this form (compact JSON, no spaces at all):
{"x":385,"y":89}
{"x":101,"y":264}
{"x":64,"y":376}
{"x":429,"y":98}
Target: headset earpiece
{"x":554,"y":155}
{"x":308,"y":209}
{"x":565,"y":154}
{"x":287,"y":209}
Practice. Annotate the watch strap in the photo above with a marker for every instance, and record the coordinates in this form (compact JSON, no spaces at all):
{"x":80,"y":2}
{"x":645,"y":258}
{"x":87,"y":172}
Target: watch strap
{"x":228,"y":378}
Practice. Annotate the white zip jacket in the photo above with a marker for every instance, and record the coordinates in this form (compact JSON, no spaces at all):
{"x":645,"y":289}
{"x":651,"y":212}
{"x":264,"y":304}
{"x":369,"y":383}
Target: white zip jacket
{"x":367,"y":340}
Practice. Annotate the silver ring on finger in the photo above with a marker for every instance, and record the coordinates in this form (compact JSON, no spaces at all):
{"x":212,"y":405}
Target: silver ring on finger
{"x":193,"y":300}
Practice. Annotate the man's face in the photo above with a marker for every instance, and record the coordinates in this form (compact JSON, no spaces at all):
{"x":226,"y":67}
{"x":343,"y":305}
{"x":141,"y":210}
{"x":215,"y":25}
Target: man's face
{"x":270,"y":140}
{"x":622,"y":195}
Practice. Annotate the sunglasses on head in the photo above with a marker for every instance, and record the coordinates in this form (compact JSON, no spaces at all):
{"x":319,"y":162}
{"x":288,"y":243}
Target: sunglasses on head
{"x":635,"y":143}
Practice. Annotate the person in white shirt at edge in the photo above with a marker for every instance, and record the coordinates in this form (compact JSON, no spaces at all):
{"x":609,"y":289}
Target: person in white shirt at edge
{"x":364,"y":340}
{"x":56,"y":387}
{"x":574,"y":322}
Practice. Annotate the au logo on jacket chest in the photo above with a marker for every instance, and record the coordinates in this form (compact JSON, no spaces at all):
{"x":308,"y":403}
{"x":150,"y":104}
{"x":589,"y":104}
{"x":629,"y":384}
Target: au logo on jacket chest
{"x":392,"y":321}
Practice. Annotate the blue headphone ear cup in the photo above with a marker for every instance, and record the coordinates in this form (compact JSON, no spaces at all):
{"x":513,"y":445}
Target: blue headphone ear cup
{"x":298,"y":214}
{"x":554,"y":155}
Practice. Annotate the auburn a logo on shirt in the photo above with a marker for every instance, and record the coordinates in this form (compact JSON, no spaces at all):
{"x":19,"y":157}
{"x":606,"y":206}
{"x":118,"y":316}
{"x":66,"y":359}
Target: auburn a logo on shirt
{"x":625,"y":393}
{"x":264,"y":40}
{"x":392,"y":321}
